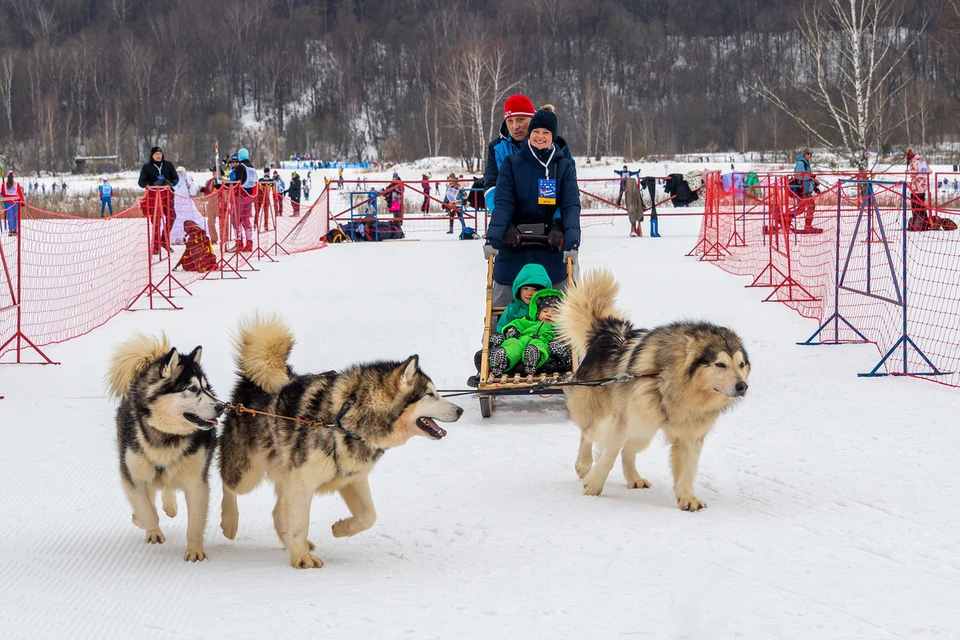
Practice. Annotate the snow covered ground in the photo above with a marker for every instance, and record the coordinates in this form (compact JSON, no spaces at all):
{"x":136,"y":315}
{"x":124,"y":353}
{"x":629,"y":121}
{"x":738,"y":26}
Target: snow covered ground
{"x":832,"y":511}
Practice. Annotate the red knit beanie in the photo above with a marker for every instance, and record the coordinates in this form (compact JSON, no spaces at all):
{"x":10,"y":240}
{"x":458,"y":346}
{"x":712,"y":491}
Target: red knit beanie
{"x":518,"y":105}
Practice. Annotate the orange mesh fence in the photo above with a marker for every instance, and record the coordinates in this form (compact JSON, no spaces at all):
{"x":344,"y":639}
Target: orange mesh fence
{"x":63,"y":276}
{"x":867,"y":257}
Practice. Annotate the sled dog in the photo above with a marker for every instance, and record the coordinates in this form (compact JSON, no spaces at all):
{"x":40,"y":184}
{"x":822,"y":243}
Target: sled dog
{"x":347,"y":420}
{"x":165,"y":433}
{"x":684,"y":375}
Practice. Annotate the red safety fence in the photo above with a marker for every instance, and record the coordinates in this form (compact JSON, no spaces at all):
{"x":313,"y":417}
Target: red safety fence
{"x":62,"y":276}
{"x":867,"y":257}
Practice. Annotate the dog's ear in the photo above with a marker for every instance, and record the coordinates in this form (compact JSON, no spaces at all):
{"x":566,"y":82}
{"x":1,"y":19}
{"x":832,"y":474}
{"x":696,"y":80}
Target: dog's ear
{"x":408,"y":370}
{"x":171,"y":364}
{"x":195,"y":355}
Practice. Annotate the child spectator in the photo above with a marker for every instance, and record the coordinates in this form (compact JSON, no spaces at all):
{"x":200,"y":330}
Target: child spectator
{"x":531,"y":341}
{"x":106,"y":196}
{"x":531,"y":279}
{"x":12,"y":199}
{"x":198,"y":255}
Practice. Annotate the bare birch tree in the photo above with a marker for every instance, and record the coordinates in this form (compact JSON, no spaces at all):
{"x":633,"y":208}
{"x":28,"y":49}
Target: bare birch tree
{"x":850,"y":51}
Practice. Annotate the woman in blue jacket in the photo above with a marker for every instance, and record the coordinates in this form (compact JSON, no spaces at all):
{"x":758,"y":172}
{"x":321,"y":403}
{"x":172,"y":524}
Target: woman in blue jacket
{"x":531,"y":187}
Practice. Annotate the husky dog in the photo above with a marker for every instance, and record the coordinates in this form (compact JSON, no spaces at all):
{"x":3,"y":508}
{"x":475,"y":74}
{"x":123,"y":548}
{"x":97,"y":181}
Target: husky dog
{"x":165,"y":433}
{"x":348,"y":419}
{"x":684,"y":375}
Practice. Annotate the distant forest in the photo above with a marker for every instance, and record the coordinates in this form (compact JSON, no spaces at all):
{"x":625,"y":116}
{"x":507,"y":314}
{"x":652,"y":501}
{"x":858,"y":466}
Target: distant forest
{"x":396,"y":80}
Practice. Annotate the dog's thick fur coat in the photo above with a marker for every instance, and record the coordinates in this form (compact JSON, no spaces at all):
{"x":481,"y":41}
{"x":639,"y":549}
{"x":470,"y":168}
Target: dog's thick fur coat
{"x":165,"y":434}
{"x":383,"y":404}
{"x":684,"y":375}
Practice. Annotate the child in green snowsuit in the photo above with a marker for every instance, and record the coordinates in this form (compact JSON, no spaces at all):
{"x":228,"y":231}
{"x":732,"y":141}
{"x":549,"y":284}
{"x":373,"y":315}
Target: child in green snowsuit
{"x":531,"y":341}
{"x":532,"y":278}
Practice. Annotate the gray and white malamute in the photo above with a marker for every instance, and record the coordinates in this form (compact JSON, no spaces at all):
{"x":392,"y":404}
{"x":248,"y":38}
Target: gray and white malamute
{"x":685,"y":375}
{"x":359,"y":413}
{"x":165,"y":434}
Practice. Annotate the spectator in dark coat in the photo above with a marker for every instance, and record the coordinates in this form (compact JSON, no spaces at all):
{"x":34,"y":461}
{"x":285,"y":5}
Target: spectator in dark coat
{"x":523,"y":196}
{"x":159,"y":177}
{"x":293,"y":192}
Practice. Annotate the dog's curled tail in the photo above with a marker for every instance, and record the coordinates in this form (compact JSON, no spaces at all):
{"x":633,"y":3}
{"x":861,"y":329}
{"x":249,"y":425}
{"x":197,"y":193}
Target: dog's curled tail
{"x":263,"y":345}
{"x":590,"y":300}
{"x":131,"y":358}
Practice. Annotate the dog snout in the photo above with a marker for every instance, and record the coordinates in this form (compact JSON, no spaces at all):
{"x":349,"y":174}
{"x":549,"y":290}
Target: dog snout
{"x":741,"y":388}
{"x":219,"y":407}
{"x":459,"y":412}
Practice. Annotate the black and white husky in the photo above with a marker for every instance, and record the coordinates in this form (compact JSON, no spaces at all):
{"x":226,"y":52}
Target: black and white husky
{"x":357,"y":414}
{"x":165,"y":433}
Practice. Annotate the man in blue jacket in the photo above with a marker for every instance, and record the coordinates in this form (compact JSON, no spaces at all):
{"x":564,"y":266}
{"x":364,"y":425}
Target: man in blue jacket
{"x":531,"y":187}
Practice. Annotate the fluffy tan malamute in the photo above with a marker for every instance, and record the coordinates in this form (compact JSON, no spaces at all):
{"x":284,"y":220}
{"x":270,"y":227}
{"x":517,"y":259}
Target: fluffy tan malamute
{"x":685,"y":375}
{"x":365,"y":410}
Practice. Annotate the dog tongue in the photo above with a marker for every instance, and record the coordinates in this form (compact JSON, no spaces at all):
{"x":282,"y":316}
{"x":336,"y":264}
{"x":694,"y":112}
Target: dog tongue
{"x":431,"y":427}
{"x":213,"y":421}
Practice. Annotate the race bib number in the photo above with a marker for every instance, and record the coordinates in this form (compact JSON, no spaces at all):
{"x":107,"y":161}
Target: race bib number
{"x":546,"y":191}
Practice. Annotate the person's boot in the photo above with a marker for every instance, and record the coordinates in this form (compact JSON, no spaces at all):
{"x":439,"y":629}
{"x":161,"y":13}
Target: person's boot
{"x":247,"y":246}
{"x":498,"y":361}
{"x":561,"y":351}
{"x":531,"y":358}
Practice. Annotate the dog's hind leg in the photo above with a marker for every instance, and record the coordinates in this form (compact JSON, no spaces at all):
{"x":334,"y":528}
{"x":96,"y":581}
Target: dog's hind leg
{"x":144,"y":511}
{"x":169,"y":500}
{"x":684,"y":457}
{"x":295,"y":502}
{"x":628,"y":458}
{"x":198,"y":501}
{"x":360,"y":502}
{"x":584,"y":457}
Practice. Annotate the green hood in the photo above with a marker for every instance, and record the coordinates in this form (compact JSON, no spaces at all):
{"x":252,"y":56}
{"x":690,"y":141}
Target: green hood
{"x":543,"y":293}
{"x":531,"y":274}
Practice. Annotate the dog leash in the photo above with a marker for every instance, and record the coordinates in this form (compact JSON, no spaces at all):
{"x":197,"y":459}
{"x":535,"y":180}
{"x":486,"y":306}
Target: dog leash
{"x":313,"y":424}
{"x":558,"y":382}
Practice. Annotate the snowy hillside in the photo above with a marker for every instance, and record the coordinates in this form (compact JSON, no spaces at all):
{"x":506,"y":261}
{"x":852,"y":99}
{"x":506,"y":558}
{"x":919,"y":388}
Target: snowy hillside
{"x":831,"y":498}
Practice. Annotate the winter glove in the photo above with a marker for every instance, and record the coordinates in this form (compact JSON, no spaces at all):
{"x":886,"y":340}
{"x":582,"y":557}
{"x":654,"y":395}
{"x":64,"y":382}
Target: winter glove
{"x":555,"y":237}
{"x":489,"y":250}
{"x":573,"y":255}
{"x":511,"y":332}
{"x":511,"y":236}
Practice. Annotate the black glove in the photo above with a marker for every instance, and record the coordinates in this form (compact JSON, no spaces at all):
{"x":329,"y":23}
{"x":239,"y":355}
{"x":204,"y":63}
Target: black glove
{"x":511,"y":332}
{"x":555,"y":237}
{"x":511,"y":236}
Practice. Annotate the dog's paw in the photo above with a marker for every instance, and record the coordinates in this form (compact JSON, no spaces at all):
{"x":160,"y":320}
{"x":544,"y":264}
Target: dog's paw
{"x":583,"y":468}
{"x":691,"y":503}
{"x":305,"y":562}
{"x":229,"y":529}
{"x":155,"y":536}
{"x":194,"y":555}
{"x":592,"y":488}
{"x":638,"y":483}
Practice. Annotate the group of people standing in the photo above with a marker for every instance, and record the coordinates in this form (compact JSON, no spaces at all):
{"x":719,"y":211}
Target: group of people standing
{"x":250,"y":193}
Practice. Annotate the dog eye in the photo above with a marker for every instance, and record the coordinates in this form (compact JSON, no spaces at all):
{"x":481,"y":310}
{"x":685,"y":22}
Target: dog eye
{"x":743,"y":364}
{"x":194,"y":389}
{"x":720,"y":365}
